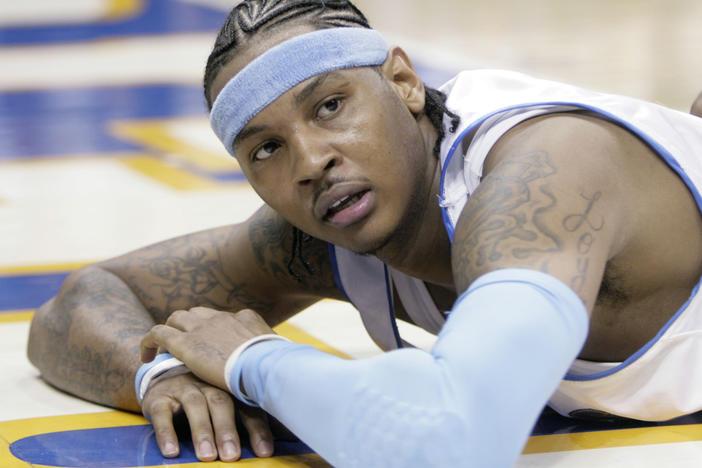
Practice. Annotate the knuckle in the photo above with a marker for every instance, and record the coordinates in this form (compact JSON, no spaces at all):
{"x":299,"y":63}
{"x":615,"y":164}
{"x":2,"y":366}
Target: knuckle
{"x":192,"y":396}
{"x":218,"y":397}
{"x":247,"y":314}
{"x":175,"y":316}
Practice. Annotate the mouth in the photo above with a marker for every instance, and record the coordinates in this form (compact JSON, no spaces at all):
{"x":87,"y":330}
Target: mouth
{"x":346,"y":202}
{"x":343,"y":206}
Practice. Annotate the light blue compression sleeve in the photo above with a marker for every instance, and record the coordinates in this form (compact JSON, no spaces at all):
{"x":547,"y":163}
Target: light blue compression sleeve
{"x":472,"y":401}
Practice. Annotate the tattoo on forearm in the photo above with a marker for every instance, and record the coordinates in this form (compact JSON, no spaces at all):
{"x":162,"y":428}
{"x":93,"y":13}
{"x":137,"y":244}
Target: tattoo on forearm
{"x":184,"y":275}
{"x":94,"y":369}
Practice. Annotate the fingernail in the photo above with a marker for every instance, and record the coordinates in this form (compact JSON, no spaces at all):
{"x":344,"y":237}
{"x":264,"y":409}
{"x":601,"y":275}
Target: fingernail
{"x":265,"y":448}
{"x":229,"y":451}
{"x":170,"y":450}
{"x":206,"y":449}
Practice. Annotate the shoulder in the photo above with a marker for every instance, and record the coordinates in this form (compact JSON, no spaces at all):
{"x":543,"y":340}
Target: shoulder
{"x":580,"y":142}
{"x":553,"y":187}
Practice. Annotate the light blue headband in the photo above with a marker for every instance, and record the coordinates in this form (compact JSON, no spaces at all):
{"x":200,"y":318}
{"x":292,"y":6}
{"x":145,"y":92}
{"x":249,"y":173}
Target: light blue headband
{"x":286,"y":65}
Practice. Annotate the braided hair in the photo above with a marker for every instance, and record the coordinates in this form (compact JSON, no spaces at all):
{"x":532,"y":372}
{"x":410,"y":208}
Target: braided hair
{"x":251,"y":17}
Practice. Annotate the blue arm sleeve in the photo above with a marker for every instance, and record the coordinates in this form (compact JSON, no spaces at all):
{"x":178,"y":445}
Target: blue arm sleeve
{"x":473,"y":400}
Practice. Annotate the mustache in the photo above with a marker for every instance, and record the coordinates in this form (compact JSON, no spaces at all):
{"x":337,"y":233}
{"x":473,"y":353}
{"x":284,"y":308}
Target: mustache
{"x":332,"y":181}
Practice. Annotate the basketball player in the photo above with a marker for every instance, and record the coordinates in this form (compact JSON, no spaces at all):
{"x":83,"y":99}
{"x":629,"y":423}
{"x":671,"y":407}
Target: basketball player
{"x":550,"y":235}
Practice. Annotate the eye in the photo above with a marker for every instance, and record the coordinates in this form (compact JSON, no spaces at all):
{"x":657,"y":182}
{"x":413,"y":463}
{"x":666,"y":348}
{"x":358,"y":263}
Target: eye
{"x":264,"y":151}
{"x":329,"y":107}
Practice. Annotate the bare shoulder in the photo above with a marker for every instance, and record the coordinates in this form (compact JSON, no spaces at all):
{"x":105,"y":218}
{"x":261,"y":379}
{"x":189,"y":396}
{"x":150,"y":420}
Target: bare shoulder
{"x":263,"y":264}
{"x":697,"y":106}
{"x":551,"y":199}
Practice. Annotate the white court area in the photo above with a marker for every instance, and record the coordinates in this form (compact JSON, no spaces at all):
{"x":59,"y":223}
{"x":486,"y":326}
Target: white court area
{"x":81,"y":181}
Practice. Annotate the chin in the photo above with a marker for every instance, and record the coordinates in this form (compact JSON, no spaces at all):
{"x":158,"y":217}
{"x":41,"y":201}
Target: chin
{"x":370,"y":247}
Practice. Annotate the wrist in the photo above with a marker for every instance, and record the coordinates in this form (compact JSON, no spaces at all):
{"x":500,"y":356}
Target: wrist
{"x":233,"y":367}
{"x":149,"y":371}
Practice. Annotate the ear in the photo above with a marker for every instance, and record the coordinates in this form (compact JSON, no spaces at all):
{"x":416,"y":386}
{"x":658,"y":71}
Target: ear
{"x":404,"y":80}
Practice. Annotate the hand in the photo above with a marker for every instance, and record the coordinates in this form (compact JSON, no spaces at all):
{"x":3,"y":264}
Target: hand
{"x":210,"y":413}
{"x":697,"y":106}
{"x":203,"y":339}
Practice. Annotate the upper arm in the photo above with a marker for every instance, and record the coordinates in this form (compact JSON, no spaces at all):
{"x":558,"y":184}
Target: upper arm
{"x":255,"y":265}
{"x":551,"y":200}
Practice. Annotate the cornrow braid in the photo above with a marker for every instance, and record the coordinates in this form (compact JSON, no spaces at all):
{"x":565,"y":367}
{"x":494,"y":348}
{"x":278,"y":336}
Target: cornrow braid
{"x":256,"y":16}
{"x":251,"y":17}
{"x":435,"y":109}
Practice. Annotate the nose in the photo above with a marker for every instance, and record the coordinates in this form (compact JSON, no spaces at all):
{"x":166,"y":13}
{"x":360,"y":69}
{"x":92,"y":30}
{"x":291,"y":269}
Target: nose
{"x":313,"y":157}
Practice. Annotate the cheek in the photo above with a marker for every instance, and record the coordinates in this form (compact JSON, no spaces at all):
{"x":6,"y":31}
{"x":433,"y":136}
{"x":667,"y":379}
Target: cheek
{"x":269,"y":186}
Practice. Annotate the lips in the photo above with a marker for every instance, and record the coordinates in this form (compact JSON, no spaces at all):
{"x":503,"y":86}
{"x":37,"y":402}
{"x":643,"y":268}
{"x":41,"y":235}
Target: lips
{"x":343,"y":203}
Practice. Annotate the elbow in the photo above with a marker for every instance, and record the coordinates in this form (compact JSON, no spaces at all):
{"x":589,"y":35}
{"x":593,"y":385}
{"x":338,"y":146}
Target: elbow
{"x":697,"y":106}
{"x":37,"y":332}
{"x":51,"y":323}
{"x":44,"y":327}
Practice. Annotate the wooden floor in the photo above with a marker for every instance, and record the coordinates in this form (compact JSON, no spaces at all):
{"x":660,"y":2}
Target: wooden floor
{"x":105,"y":147}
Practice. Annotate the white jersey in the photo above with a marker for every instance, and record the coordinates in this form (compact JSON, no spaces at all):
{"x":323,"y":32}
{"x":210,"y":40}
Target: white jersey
{"x":663,"y":379}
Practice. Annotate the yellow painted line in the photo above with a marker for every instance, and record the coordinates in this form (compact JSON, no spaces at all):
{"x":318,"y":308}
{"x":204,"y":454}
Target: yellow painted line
{"x":39,"y":269}
{"x":121,"y":9}
{"x":16,"y":316}
{"x":300,"y":336}
{"x":169,"y":175}
{"x":614,"y":438}
{"x":155,"y":135}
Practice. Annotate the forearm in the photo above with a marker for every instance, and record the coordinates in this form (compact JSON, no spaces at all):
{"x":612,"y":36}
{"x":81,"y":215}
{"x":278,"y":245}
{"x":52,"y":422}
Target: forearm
{"x":86,"y":340}
{"x":474,"y":397}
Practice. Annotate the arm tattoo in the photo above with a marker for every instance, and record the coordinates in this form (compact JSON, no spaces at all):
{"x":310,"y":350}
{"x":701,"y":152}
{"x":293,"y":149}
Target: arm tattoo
{"x":509,"y":220}
{"x":95,"y":367}
{"x":190,"y":271}
{"x":584,"y":222}
{"x":504,"y":218}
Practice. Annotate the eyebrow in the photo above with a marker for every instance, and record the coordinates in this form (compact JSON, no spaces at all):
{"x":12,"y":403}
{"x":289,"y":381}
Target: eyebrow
{"x":246,"y":133}
{"x":310,"y":88}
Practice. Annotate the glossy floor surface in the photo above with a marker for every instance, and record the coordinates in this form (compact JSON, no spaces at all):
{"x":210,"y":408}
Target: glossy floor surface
{"x":105,"y":147}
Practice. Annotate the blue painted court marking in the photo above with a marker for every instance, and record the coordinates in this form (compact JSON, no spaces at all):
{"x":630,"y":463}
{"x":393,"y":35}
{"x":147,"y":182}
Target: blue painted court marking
{"x":28,"y":291}
{"x":74,"y":121}
{"x":116,"y":447}
{"x":157,"y":17}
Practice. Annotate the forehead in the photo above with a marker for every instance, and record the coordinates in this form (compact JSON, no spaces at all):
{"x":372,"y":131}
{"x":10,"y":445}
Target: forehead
{"x":337,"y":80}
{"x":254,"y":47}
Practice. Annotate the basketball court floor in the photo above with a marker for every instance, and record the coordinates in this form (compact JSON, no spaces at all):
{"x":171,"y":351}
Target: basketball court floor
{"x":105,"y":147}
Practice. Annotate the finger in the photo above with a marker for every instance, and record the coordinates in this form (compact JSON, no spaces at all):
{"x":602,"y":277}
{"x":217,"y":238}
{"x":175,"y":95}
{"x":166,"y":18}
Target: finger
{"x":186,"y":319}
{"x":197,"y":411}
{"x":177,"y":318}
{"x":161,"y":415}
{"x":260,"y":435}
{"x":159,"y":336}
{"x":224,"y":423}
{"x":205,"y":312}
